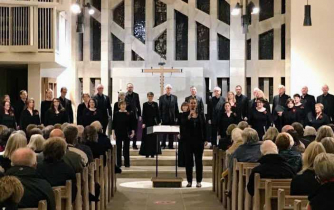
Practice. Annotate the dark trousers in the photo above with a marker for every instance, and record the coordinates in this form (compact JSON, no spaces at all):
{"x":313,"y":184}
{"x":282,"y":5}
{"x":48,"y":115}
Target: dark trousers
{"x":104,"y":123}
{"x":214,"y":135}
{"x":194,"y":149}
{"x":134,"y":139}
{"x":170,"y":140}
{"x":126,"y":152}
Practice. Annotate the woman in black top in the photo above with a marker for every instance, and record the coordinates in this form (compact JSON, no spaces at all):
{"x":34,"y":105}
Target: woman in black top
{"x":183,"y":117}
{"x":91,"y":114}
{"x":227,"y":118}
{"x":121,"y":97}
{"x":291,"y":114}
{"x":46,"y":104}
{"x":29,"y":115}
{"x":260,"y":118}
{"x":232,"y":101}
{"x":300,"y":108}
{"x":55,"y":114}
{"x":194,"y":143}
{"x":150,"y":118}
{"x":319,"y":119}
{"x":123,"y":124}
{"x":7,"y":116}
{"x":82,"y":107}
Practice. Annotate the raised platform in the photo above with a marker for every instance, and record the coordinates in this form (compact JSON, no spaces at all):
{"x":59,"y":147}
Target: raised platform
{"x":167,"y":182}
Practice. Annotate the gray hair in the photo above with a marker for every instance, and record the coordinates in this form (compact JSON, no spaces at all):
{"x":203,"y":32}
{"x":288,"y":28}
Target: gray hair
{"x":310,"y":131}
{"x":217,"y":88}
{"x":268,"y":147}
{"x":324,"y":131}
{"x":36,"y":142}
{"x":328,"y":143}
{"x":249,"y":135}
{"x":168,"y":86}
{"x":324,"y":166}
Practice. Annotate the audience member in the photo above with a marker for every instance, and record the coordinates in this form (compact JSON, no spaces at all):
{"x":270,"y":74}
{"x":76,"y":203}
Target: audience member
{"x":328,"y":143}
{"x":286,"y":128}
{"x":57,"y":133}
{"x":236,"y":142}
{"x":11,"y":192}
{"x":226,"y":142}
{"x":242,"y":125}
{"x":300,"y":131}
{"x":297,"y":144}
{"x":82,"y":146}
{"x":324,"y":131}
{"x":71,"y":137}
{"x":310,"y":133}
{"x":271,"y":134}
{"x":90,"y":137}
{"x":47,"y":130}
{"x":33,"y":132}
{"x":36,"y":143}
{"x":103,"y":139}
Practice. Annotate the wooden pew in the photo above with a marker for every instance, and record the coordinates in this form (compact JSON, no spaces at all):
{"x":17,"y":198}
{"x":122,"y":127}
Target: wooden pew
{"x":110,"y":175}
{"x":78,"y":198}
{"x":85,"y":189}
{"x":113,"y":169}
{"x":259,"y":190}
{"x":286,"y":202}
{"x":66,"y":195}
{"x":91,"y":183}
{"x":227,"y":190}
{"x":220,"y":168}
{"x":102,"y":183}
{"x":271,"y":192}
{"x":298,"y":205}
{"x":98,"y":180}
{"x":106,"y":180}
{"x":214,"y":167}
{"x":42,"y":205}
{"x":57,"y":194}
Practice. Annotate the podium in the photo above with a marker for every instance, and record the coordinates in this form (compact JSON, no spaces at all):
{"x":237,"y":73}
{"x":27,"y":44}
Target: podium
{"x":158,"y":182}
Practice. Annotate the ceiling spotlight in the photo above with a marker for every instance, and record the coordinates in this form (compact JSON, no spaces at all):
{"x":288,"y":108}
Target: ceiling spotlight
{"x":307,"y":18}
{"x":75,"y":8}
{"x":256,"y":10}
{"x":91,"y":11}
{"x":252,"y":8}
{"x":236,"y":10}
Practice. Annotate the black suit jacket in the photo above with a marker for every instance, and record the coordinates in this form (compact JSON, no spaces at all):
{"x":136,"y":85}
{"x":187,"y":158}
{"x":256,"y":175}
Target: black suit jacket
{"x":169,"y":110}
{"x":134,"y":103}
{"x":103,"y":104}
{"x":214,"y":110}
{"x":308,"y":102}
{"x":242,"y":107}
{"x":328,"y":102}
{"x":80,"y":112}
{"x":67,"y":105}
{"x":200,"y":104}
{"x":279,"y":101}
{"x":18,"y":109}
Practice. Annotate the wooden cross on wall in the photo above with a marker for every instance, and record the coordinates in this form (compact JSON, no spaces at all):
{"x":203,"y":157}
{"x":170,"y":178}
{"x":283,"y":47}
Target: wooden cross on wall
{"x":162,"y":71}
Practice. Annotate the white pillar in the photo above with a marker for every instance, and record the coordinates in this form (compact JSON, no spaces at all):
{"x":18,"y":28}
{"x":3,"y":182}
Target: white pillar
{"x":35,"y":84}
{"x":105,"y":45}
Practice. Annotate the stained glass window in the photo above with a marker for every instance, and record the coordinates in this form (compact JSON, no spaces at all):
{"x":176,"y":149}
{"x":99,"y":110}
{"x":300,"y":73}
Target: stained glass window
{"x":119,"y":14}
{"x":283,"y":42}
{"x":160,"y":45}
{"x":139,"y":20}
{"x":249,"y":49}
{"x":266,"y":45}
{"x":95,"y":30}
{"x":117,"y":49}
{"x":224,"y":13}
{"x":160,"y":10}
{"x":223,"y":48}
{"x":204,"y":5}
{"x":266,"y":9}
{"x":203,"y":42}
{"x":136,"y":57}
{"x":181,"y":39}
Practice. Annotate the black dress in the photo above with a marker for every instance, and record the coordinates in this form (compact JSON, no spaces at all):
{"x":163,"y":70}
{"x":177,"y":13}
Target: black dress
{"x":80,"y":113}
{"x":8,"y":120}
{"x":290,"y":116}
{"x":90,"y":116}
{"x":150,"y":118}
{"x":260,"y":121}
{"x":51,"y":118}
{"x":225,"y":121}
{"x":123,"y":124}
{"x":183,"y":118}
{"x":317,"y":122}
{"x":45,"y":106}
{"x":302,"y":113}
{"x":27,"y":118}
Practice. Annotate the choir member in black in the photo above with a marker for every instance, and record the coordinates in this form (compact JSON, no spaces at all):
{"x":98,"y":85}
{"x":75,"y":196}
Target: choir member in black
{"x":123,"y":131}
{"x":6,"y":98}
{"x":242,"y":104}
{"x":279,"y":106}
{"x":260,"y":118}
{"x":227,"y":118}
{"x":215,"y":107}
{"x":150,"y":117}
{"x":121,"y":97}
{"x":308,"y":101}
{"x":7,"y":116}
{"x":200,"y":105}
{"x":300,"y":108}
{"x":183,"y":118}
{"x":67,"y":104}
{"x":327,"y":100}
{"x":56,"y":114}
{"x":20,"y":105}
{"x":258,"y":94}
{"x":231,"y":99}
{"x":103,"y":104}
{"x":46,"y":104}
{"x":29,"y":115}
{"x":132,"y":99}
{"x":91,"y":114}
{"x":194,"y":143}
{"x":319,"y":119}
{"x":291,"y":114}
{"x":82,"y":107}
{"x":169,"y":112}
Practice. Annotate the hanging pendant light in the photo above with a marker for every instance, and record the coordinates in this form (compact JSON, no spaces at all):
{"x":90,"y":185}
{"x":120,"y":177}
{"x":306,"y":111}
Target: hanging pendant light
{"x":307,"y":18}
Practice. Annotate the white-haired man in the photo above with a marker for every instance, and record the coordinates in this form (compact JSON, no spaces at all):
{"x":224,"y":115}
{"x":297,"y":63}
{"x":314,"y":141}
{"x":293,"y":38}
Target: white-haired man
{"x":169,"y":111}
{"x":308,"y":101}
{"x":215,"y":107}
{"x":279,"y":106}
{"x":103,"y":104}
{"x":327,"y":100}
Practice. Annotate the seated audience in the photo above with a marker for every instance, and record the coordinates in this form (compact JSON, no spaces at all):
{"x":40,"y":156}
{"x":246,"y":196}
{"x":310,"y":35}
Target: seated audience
{"x":242,"y":125}
{"x":15,"y":141}
{"x":53,"y":168}
{"x":226,"y":142}
{"x":286,"y":128}
{"x":33,"y":132}
{"x":81,"y":144}
{"x":36,"y":143}
{"x":297,"y":144}
{"x":71,"y":137}
{"x":11,"y":192}
{"x":319,"y":118}
{"x":292,"y":157}
{"x":324,"y":131}
{"x":4,"y":136}
{"x":310,"y":133}
{"x":322,"y":199}
{"x":35,"y":188}
{"x":47,"y":130}
{"x":103,"y":139}
{"x":90,"y":137}
{"x":298,"y":183}
{"x":328,"y":143}
{"x":57,"y":133}
{"x":300,"y":131}
{"x":236,"y":142}
{"x":272,"y":166}
{"x":271,"y":134}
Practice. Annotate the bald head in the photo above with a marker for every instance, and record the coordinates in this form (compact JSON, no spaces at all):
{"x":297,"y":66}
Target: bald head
{"x":57,"y":133}
{"x":24,"y":157}
{"x":325,"y":89}
{"x":268,"y":147}
{"x":286,"y":128}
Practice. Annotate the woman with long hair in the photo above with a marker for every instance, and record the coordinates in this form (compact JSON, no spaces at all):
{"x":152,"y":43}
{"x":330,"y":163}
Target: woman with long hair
{"x":230,"y":98}
{"x":29,"y":115}
{"x":91,"y":114}
{"x":7,"y":116}
{"x":46,"y":104}
{"x":56,"y":114}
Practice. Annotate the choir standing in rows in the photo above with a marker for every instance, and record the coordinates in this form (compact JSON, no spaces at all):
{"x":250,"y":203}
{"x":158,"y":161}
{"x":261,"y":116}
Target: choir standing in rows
{"x":7,"y":116}
{"x":29,"y":115}
{"x":20,"y":105}
{"x":46,"y":104}
{"x":56,"y":114}
{"x":91,"y":113}
{"x":82,"y":107}
{"x":104,"y":105}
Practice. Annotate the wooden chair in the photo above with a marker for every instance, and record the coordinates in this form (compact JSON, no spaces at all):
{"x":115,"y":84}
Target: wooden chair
{"x":226,"y":190}
{"x":259,"y":190}
{"x":271,"y":192}
{"x":286,"y":202}
{"x":110,"y":175}
{"x":113,"y":169}
{"x":57,"y":194}
{"x":298,"y":205}
{"x":214,"y":166}
{"x":91,"y":183}
{"x":85,"y":189}
{"x":220,"y":168}
{"x":98,"y":180}
{"x":106,"y":180}
{"x":42,"y":205}
{"x":66,"y":195}
{"x":78,"y":198}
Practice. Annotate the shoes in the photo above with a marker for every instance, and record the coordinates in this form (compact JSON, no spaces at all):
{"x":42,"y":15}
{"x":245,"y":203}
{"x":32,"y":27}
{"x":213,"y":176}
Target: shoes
{"x":189,"y":184}
{"x":135,"y":147}
{"x":118,"y":170}
{"x":147,"y":156}
{"x":127,"y":166}
{"x":152,"y":156}
{"x":198,"y":185}
{"x":211,"y":147}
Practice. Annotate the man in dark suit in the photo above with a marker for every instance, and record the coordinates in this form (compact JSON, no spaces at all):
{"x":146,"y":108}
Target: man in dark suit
{"x":215,"y":107}
{"x":200,"y":105}
{"x":327,"y":100}
{"x":132,"y":99}
{"x":19,"y":106}
{"x":242,"y":104}
{"x":66,"y":103}
{"x":279,"y":105}
{"x":169,"y":111}
{"x":308,"y":101}
{"x":103,"y":104}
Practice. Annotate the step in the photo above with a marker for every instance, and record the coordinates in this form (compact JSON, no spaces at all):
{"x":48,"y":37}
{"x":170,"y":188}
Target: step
{"x":163,"y":161}
{"x":169,"y":152}
{"x":164,"y":172}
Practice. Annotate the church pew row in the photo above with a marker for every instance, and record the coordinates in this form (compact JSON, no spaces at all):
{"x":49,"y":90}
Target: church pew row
{"x":42,"y":205}
{"x":287,"y":202}
{"x":214,"y":168}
